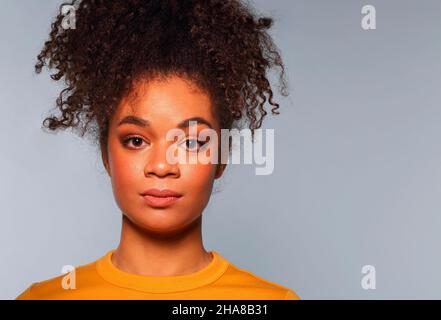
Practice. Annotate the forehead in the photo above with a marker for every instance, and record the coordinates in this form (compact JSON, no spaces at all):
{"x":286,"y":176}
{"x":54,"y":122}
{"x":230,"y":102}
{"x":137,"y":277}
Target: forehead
{"x":166,"y":102}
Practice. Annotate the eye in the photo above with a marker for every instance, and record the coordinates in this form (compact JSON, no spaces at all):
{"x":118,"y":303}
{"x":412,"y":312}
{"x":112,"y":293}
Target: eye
{"x":194,"y":145}
{"x":136,"y":141}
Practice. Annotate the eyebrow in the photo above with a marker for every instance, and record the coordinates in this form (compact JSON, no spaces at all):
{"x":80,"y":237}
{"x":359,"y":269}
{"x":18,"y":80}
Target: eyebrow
{"x":146,"y":123}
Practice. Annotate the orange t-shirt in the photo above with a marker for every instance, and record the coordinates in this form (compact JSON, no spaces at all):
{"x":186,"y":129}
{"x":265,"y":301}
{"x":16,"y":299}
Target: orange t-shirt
{"x":219,"y":280}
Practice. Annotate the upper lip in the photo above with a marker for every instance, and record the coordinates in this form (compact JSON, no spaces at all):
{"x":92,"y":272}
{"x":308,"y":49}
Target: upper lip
{"x":161,"y":193}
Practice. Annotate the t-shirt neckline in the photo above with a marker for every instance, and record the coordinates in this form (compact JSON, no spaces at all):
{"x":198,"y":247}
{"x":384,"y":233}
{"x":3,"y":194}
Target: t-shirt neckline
{"x":161,"y":284}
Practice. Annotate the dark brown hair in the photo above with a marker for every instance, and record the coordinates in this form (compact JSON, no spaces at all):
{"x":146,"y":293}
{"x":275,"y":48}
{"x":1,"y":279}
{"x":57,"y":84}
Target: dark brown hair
{"x":220,"y":44}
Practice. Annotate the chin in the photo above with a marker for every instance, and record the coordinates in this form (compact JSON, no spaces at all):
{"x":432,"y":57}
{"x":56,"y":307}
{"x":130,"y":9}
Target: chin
{"x":162,"y":221}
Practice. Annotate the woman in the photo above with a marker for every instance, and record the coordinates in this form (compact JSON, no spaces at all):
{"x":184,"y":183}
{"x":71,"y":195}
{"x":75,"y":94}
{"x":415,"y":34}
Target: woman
{"x":135,"y":71}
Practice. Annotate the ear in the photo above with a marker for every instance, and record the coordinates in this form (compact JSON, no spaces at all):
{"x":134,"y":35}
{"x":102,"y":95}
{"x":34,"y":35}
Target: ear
{"x":220,"y":170}
{"x":105,"y":159}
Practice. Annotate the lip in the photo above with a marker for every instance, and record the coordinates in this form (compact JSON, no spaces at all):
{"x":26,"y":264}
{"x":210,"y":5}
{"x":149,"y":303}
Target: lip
{"x":160,"y":198}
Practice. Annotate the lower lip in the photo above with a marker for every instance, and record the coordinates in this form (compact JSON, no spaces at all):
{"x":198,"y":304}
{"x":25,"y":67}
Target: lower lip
{"x":160,"y":201}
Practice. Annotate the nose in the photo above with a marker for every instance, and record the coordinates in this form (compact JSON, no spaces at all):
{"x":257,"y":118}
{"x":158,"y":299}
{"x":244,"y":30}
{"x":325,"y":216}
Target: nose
{"x":157,"y":164}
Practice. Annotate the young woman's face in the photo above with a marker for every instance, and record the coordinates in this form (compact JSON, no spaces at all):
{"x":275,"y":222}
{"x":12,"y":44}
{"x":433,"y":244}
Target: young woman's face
{"x":136,"y":158}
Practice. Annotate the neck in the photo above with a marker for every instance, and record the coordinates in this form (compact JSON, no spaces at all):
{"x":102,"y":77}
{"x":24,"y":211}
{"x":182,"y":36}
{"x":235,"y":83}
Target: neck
{"x":152,"y":254}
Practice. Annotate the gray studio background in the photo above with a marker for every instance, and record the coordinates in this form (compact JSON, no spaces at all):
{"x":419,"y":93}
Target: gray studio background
{"x":357,"y":175}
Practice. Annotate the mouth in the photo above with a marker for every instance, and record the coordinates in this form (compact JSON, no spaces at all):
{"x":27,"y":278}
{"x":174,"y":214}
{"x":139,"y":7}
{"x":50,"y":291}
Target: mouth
{"x":160,"y":198}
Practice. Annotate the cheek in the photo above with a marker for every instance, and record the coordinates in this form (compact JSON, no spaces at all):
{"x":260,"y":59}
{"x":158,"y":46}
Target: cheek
{"x":198,"y":179}
{"x":126,"y":174}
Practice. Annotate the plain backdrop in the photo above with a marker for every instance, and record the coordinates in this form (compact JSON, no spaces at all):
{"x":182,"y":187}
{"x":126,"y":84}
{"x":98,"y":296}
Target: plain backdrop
{"x":357,"y":177}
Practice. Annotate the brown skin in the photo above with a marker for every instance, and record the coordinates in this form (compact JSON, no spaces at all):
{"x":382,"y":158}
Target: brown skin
{"x":160,"y":241}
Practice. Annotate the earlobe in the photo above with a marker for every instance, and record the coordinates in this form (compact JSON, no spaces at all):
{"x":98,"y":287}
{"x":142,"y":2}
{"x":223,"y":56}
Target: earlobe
{"x":219,"y":170}
{"x":107,"y":169}
{"x":105,"y":161}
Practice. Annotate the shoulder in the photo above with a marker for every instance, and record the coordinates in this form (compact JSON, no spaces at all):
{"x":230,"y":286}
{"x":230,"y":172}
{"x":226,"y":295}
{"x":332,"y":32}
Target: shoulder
{"x":256,"y":285}
{"x":58,"y":286}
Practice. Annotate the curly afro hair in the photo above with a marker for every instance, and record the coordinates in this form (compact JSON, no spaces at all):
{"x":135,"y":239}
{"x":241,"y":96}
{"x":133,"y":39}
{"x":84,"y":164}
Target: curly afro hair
{"x":220,"y":44}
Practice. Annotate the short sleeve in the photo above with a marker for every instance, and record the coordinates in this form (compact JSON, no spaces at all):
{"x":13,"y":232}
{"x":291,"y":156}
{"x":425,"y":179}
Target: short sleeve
{"x":26,"y":294}
{"x":291,"y":295}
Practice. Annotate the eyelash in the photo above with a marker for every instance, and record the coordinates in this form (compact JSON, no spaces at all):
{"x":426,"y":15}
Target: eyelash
{"x":126,"y":141}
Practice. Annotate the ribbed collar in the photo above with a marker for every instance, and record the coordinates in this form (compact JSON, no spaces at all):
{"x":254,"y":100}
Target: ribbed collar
{"x":161,"y":284}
